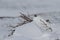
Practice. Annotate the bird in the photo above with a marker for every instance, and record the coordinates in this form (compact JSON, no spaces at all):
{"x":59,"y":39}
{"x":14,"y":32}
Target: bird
{"x":41,"y":23}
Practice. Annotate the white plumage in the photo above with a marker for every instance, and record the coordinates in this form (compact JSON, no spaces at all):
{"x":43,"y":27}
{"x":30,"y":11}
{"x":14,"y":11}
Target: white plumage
{"x":41,"y":23}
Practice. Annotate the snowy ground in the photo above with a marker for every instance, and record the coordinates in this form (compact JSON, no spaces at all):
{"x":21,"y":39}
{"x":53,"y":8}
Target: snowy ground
{"x":49,"y":9}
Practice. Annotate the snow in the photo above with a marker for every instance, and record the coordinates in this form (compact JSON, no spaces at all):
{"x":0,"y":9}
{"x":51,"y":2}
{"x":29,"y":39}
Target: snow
{"x":29,"y":33}
{"x":49,"y":9}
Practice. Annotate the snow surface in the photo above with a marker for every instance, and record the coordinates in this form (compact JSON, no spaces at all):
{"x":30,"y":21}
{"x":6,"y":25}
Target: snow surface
{"x":49,"y":9}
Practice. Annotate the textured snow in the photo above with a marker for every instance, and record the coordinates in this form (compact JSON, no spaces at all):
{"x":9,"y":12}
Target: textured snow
{"x":49,"y":9}
{"x":27,"y":32}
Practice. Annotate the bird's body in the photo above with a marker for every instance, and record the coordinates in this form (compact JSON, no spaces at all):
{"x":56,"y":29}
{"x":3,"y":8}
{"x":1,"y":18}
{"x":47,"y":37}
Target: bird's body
{"x":42,"y":23}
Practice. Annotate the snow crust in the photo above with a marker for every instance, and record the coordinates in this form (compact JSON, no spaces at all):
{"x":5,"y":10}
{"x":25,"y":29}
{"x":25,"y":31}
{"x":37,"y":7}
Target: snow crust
{"x":49,"y":9}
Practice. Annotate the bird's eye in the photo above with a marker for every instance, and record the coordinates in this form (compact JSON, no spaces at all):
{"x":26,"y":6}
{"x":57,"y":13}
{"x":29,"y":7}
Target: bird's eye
{"x":47,"y":20}
{"x":35,"y":15}
{"x":57,"y":39}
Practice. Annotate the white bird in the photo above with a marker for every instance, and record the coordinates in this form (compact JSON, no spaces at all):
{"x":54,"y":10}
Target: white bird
{"x":41,"y":23}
